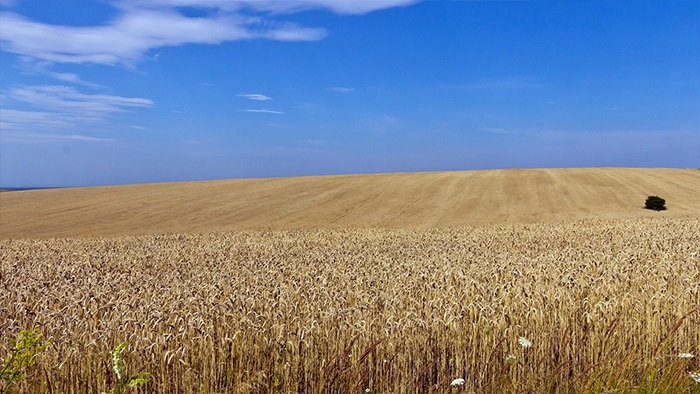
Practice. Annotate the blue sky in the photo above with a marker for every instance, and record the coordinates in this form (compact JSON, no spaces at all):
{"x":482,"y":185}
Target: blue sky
{"x":130,"y":91}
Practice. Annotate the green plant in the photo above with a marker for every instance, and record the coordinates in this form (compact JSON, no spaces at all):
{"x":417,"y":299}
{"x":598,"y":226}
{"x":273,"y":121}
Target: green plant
{"x":22,"y":358}
{"x":656,"y":203}
{"x":124,"y":381}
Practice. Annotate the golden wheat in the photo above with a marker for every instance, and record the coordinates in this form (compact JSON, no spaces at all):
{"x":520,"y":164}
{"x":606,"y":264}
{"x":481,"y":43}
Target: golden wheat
{"x":606,"y":305}
{"x":408,"y":200}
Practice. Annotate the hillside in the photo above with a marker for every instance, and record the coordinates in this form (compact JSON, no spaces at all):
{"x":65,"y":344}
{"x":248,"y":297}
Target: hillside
{"x":414,"y":200}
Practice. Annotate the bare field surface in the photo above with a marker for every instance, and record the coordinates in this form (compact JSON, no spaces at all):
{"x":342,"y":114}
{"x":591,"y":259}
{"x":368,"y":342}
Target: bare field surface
{"x":604,"y":305}
{"x":409,"y":200}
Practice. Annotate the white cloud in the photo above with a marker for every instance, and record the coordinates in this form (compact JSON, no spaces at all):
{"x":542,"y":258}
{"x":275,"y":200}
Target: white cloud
{"x":31,"y":66}
{"x":124,"y":40}
{"x":73,"y":78}
{"x":12,"y":119}
{"x":59,"y":109}
{"x":255,"y":96}
{"x":343,"y":89}
{"x":353,"y":7}
{"x":263,"y":111}
{"x":68,"y":99}
{"x":143,"y":25}
{"x":136,"y":127}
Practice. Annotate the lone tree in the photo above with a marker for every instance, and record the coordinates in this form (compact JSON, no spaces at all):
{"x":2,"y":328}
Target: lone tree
{"x":656,"y":203}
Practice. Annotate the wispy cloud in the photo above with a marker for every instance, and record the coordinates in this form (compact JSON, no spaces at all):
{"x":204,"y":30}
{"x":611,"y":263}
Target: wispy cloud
{"x":69,"y":99}
{"x":263,"y":111}
{"x":38,"y":110}
{"x":126,"y":39}
{"x":254,"y":96}
{"x":144,"y":25}
{"x":282,"y":6}
{"x":12,"y":119}
{"x":30,"y":66}
{"x":341,"y":6}
{"x":75,"y":79}
{"x":343,"y":90}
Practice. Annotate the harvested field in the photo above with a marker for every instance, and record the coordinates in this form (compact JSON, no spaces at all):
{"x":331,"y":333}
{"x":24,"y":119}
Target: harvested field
{"x":411,"y":200}
{"x":607,"y":305}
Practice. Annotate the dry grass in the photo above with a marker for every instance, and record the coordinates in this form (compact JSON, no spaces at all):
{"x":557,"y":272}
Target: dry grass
{"x":412,"y":200}
{"x":607,"y":304}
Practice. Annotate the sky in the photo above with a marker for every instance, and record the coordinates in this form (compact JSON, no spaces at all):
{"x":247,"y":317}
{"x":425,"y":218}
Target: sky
{"x":133,"y":91}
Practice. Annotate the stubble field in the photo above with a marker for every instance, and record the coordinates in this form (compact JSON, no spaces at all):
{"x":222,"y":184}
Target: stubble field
{"x":396,"y":201}
{"x":589,"y":305}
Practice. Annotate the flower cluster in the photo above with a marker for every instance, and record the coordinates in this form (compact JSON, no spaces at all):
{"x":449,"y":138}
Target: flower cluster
{"x":524,"y":342}
{"x":695,"y":376}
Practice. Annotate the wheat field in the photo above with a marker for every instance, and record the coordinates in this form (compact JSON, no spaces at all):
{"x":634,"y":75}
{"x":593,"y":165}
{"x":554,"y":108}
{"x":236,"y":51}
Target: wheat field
{"x":607,"y":306}
{"x":405,"y":200}
{"x":576,"y":305}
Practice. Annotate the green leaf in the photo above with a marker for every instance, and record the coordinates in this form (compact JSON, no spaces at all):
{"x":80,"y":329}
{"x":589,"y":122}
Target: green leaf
{"x":139,"y":378}
{"x":117,"y":360}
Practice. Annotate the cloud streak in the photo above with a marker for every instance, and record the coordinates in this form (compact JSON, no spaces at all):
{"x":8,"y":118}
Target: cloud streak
{"x":60,"y":109}
{"x":340,"y":89}
{"x":30,"y":66}
{"x":263,"y":111}
{"x":126,"y":39}
{"x":143,"y":25}
{"x":258,"y":97}
{"x":73,"y":78}
{"x":277,"y":6}
{"x":69,"y":99}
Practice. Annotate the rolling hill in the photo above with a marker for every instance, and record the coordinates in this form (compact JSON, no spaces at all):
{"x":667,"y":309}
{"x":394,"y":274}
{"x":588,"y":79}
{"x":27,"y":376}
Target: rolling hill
{"x":413,"y":200}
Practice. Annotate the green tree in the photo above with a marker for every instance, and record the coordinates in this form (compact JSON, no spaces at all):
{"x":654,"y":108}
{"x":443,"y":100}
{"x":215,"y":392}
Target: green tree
{"x":656,"y":203}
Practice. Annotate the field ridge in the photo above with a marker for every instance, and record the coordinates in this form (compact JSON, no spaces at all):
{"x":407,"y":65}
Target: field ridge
{"x":446,"y":199}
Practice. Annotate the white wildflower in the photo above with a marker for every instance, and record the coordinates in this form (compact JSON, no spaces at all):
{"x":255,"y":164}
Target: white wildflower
{"x":524,"y":342}
{"x":511,"y":358}
{"x":695,"y":376}
{"x":686,"y":355}
{"x":367,"y":390}
{"x":457,"y":382}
